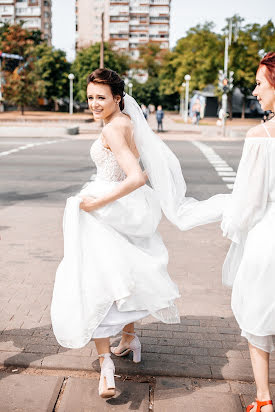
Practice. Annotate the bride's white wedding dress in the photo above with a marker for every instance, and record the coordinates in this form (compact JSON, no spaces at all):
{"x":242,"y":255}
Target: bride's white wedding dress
{"x":114,"y":269}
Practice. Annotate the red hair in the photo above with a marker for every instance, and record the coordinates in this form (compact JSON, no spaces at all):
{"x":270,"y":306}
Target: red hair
{"x":269,"y":62}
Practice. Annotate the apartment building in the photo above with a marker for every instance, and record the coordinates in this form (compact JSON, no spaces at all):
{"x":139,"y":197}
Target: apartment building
{"x":36,"y":15}
{"x":135,"y":22}
{"x":128,"y":24}
{"x":88,"y":21}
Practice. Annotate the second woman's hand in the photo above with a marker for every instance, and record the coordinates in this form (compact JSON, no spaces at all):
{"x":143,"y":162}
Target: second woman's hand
{"x":89,"y":204}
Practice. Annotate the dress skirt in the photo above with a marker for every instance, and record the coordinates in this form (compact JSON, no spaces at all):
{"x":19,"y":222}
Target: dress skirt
{"x":250,"y":269}
{"x":114,"y":269}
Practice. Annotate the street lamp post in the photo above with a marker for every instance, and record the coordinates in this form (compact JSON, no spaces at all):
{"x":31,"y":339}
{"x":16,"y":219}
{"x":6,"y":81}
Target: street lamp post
{"x":182,"y":100}
{"x":102,"y":42}
{"x":1,"y":97}
{"x":187,"y":79}
{"x":71,"y":78}
{"x":130,"y":85}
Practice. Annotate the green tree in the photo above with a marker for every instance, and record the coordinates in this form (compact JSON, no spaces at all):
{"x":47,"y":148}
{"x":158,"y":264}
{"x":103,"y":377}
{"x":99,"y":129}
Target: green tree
{"x":199,"y":53}
{"x":147,"y":93}
{"x":22,"y":85}
{"x":22,"y":88}
{"x":52,"y":68}
{"x":150,"y":59}
{"x":249,"y":44}
{"x":88,"y":59}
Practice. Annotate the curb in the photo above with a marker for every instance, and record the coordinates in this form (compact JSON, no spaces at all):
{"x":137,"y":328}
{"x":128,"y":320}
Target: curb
{"x":28,"y":131}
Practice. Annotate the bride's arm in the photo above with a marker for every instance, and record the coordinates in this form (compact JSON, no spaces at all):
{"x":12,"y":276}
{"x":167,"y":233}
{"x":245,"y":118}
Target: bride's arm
{"x":115,"y":138}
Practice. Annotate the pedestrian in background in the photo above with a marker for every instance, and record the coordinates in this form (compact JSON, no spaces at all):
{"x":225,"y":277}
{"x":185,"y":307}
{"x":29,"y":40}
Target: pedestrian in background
{"x":145,"y":111}
{"x":196,"y":112}
{"x":160,"y":116}
{"x":151,"y":108}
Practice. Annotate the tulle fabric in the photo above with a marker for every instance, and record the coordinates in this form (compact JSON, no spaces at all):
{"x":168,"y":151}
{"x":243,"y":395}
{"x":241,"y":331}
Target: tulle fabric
{"x":111,"y":256}
{"x":165,"y":175}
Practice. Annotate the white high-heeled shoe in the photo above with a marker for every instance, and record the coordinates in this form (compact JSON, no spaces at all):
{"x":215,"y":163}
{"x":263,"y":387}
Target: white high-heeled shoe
{"x":107,"y":387}
{"x":134,"y":346}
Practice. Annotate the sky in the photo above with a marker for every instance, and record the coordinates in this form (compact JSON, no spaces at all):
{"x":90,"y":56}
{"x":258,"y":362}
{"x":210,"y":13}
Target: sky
{"x":184,"y":14}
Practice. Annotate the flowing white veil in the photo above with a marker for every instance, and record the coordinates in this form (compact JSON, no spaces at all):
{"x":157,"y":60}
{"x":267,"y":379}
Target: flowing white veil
{"x":165,"y":175}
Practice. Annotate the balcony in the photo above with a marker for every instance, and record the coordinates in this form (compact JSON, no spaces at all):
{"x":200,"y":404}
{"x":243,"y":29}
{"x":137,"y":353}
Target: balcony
{"x":160,"y":2}
{"x":139,"y":10}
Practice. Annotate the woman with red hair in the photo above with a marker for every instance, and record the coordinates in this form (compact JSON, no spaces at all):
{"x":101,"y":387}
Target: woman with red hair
{"x":249,"y":221}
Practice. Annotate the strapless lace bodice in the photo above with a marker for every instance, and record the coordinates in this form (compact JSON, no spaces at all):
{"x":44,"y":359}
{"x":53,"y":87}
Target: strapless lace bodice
{"x":106,"y":163}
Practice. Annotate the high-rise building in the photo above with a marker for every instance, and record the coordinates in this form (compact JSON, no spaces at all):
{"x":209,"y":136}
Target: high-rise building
{"x":36,"y":15}
{"x":88,"y":21}
{"x":128,"y":24}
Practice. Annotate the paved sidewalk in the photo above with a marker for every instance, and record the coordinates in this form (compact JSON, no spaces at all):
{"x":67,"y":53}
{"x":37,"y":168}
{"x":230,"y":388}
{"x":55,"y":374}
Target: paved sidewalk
{"x":56,"y":124}
{"x":31,"y":390}
{"x":206,"y":344}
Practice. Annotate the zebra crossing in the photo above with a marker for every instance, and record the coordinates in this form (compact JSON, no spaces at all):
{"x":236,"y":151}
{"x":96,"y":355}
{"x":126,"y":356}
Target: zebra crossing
{"x":224,"y":171}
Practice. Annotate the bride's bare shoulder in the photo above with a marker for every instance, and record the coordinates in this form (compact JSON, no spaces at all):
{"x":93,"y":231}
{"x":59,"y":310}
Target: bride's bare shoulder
{"x":122,"y":121}
{"x":118,"y":129}
{"x":121,"y":124}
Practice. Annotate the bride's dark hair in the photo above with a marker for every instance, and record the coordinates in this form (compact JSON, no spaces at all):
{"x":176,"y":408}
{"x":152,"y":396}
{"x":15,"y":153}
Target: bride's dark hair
{"x":110,"y":77}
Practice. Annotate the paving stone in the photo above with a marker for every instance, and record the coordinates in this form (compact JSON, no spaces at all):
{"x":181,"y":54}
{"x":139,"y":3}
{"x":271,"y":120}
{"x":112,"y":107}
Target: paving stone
{"x":231,"y":372}
{"x":37,"y":348}
{"x":248,"y":389}
{"x":228,"y":353}
{"x":206,"y":344}
{"x":60,"y":361}
{"x":211,"y":385}
{"x":158,"y":333}
{"x":28,"y":393}
{"x":157,"y":349}
{"x":183,"y":397}
{"x":81,"y":395}
{"x":21,"y":359}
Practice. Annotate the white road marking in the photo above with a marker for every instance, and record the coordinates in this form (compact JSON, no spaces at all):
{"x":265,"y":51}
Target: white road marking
{"x":29,"y":145}
{"x":222,"y":168}
{"x":227,"y":174}
{"x":230,"y":186}
{"x":229,"y":179}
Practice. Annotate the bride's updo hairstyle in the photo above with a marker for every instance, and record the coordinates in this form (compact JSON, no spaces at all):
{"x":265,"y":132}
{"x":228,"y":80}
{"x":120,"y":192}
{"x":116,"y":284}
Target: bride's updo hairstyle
{"x":269,"y":62}
{"x":110,"y":77}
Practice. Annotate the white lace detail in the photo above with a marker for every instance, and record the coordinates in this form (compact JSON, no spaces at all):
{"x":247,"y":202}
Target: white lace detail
{"x":106,"y":163}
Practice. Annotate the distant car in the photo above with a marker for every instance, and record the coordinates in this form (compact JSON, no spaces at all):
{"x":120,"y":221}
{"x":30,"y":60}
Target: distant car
{"x":64,"y":103}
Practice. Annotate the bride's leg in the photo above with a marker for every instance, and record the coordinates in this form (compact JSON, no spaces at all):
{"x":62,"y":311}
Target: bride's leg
{"x":260,"y":365}
{"x":102,"y":346}
{"x":106,"y":387}
{"x":126,"y":339}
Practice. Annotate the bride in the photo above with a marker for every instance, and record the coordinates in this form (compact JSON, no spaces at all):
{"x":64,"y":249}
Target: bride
{"x":114,"y":270}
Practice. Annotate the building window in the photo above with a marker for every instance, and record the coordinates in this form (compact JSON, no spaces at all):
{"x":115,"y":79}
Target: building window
{"x":46,"y":15}
{"x":46,"y":3}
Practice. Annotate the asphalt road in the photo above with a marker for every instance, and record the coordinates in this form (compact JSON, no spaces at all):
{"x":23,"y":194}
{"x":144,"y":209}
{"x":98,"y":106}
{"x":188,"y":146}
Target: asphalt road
{"x":50,"y":170}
